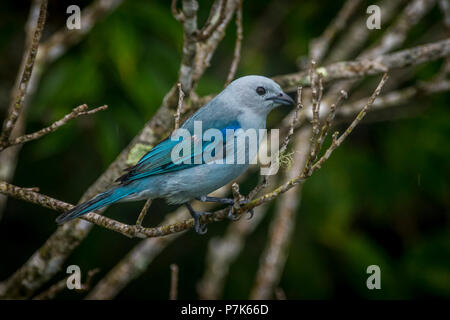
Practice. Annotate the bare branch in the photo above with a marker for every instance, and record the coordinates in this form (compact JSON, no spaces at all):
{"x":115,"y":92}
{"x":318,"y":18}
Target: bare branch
{"x":317,"y":92}
{"x":145,"y":252}
{"x":302,"y":177}
{"x":319,"y":46}
{"x":127,"y":269}
{"x":337,"y":142}
{"x":173,"y":282}
{"x":8,"y":158}
{"x":282,"y":228}
{"x":53,"y":291}
{"x":237,"y":47}
{"x":396,"y":98}
{"x":65,"y":239}
{"x":29,"y":56}
{"x":49,"y":50}
{"x":329,"y":120}
{"x":280,"y":294}
{"x":133,"y":231}
{"x":178,"y":15}
{"x":397,"y":33}
{"x":391,"y":39}
{"x":222,"y":252}
{"x":262,"y":184}
{"x":143,"y":213}
{"x":444,"y":6}
{"x":356,"y":36}
{"x":372,"y":66}
{"x":190,"y":8}
{"x":63,"y":39}
{"x":149,"y":136}
{"x":294,"y":120}
{"x":76,"y":112}
{"x":177,"y":115}
{"x":209,"y":27}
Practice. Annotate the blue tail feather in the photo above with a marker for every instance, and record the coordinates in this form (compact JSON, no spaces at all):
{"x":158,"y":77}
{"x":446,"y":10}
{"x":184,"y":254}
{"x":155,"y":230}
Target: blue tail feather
{"x":99,"y":201}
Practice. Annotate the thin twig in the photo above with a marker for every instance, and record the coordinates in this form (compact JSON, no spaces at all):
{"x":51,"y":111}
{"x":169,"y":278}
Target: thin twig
{"x":29,"y":56}
{"x":307,"y":173}
{"x":53,"y":291}
{"x":364,"y":67}
{"x":337,"y":142}
{"x":329,"y":120}
{"x":143,"y":213}
{"x":396,"y":98}
{"x":41,"y":267}
{"x":223,"y":251}
{"x":209,"y":28}
{"x":126,"y":270}
{"x":190,"y":31}
{"x":173,"y":281}
{"x":76,"y":112}
{"x":236,"y":196}
{"x":356,"y":35}
{"x":274,"y":256}
{"x":316,"y":93}
{"x":444,"y":6}
{"x":398,"y":31}
{"x":292,"y":125}
{"x":294,"y":120}
{"x":319,"y":47}
{"x":49,"y":50}
{"x":177,"y":115}
{"x":262,"y":184}
{"x":238,"y":45}
{"x":280,"y":294}
{"x":178,"y":15}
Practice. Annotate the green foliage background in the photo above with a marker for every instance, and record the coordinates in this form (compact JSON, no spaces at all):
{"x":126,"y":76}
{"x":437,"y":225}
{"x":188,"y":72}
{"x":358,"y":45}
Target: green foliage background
{"x":383,"y":198}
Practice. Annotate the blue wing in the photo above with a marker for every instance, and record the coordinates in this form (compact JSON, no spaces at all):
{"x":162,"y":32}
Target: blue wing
{"x":159,"y":159}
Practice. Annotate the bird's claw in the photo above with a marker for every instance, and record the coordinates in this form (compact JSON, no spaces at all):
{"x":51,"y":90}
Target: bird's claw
{"x":250,"y":212}
{"x":232,"y":217}
{"x":199,"y":227}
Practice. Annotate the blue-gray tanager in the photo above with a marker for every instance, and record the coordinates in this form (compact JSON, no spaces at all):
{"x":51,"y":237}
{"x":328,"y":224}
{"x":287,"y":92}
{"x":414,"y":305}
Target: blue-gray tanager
{"x":243,"y":104}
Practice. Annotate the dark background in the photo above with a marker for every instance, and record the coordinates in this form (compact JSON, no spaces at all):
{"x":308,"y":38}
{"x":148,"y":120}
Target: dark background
{"x":383,"y":198}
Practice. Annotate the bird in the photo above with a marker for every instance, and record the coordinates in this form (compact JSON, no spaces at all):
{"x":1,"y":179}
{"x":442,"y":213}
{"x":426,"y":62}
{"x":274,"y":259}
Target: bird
{"x":244,"y":104}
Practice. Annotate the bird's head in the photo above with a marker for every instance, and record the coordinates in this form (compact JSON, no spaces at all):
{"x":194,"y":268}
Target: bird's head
{"x":260,"y":94}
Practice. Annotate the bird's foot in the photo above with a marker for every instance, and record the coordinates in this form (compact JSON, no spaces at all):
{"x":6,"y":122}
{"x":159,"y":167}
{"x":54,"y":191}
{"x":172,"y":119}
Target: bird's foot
{"x":199,"y":227}
{"x":233,"y":217}
{"x":231,"y":202}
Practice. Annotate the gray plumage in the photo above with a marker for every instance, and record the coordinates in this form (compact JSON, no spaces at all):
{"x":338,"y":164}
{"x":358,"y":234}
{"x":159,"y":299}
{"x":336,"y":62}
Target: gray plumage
{"x":246,"y":101}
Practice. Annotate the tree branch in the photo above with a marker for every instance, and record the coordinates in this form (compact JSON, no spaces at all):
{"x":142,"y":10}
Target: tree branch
{"x":282,"y":228}
{"x":237,"y":47}
{"x":59,"y":245}
{"x":209,"y":27}
{"x":356,"y":36}
{"x":372,"y":66}
{"x":173,"y":294}
{"x":76,"y":112}
{"x":319,"y":46}
{"x":145,"y":252}
{"x":29,"y":56}
{"x":133,"y":231}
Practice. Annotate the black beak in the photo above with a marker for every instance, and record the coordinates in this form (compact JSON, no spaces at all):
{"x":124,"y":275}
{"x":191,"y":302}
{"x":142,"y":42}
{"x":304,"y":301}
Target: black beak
{"x":282,"y":98}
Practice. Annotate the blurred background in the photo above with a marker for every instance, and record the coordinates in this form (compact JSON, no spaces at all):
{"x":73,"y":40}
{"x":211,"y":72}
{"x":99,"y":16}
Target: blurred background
{"x":383,"y":197}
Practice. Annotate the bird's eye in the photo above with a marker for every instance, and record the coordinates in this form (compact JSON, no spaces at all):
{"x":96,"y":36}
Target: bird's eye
{"x":260,"y":91}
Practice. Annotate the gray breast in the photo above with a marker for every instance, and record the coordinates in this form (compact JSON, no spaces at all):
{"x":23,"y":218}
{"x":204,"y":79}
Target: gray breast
{"x":184,"y":185}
